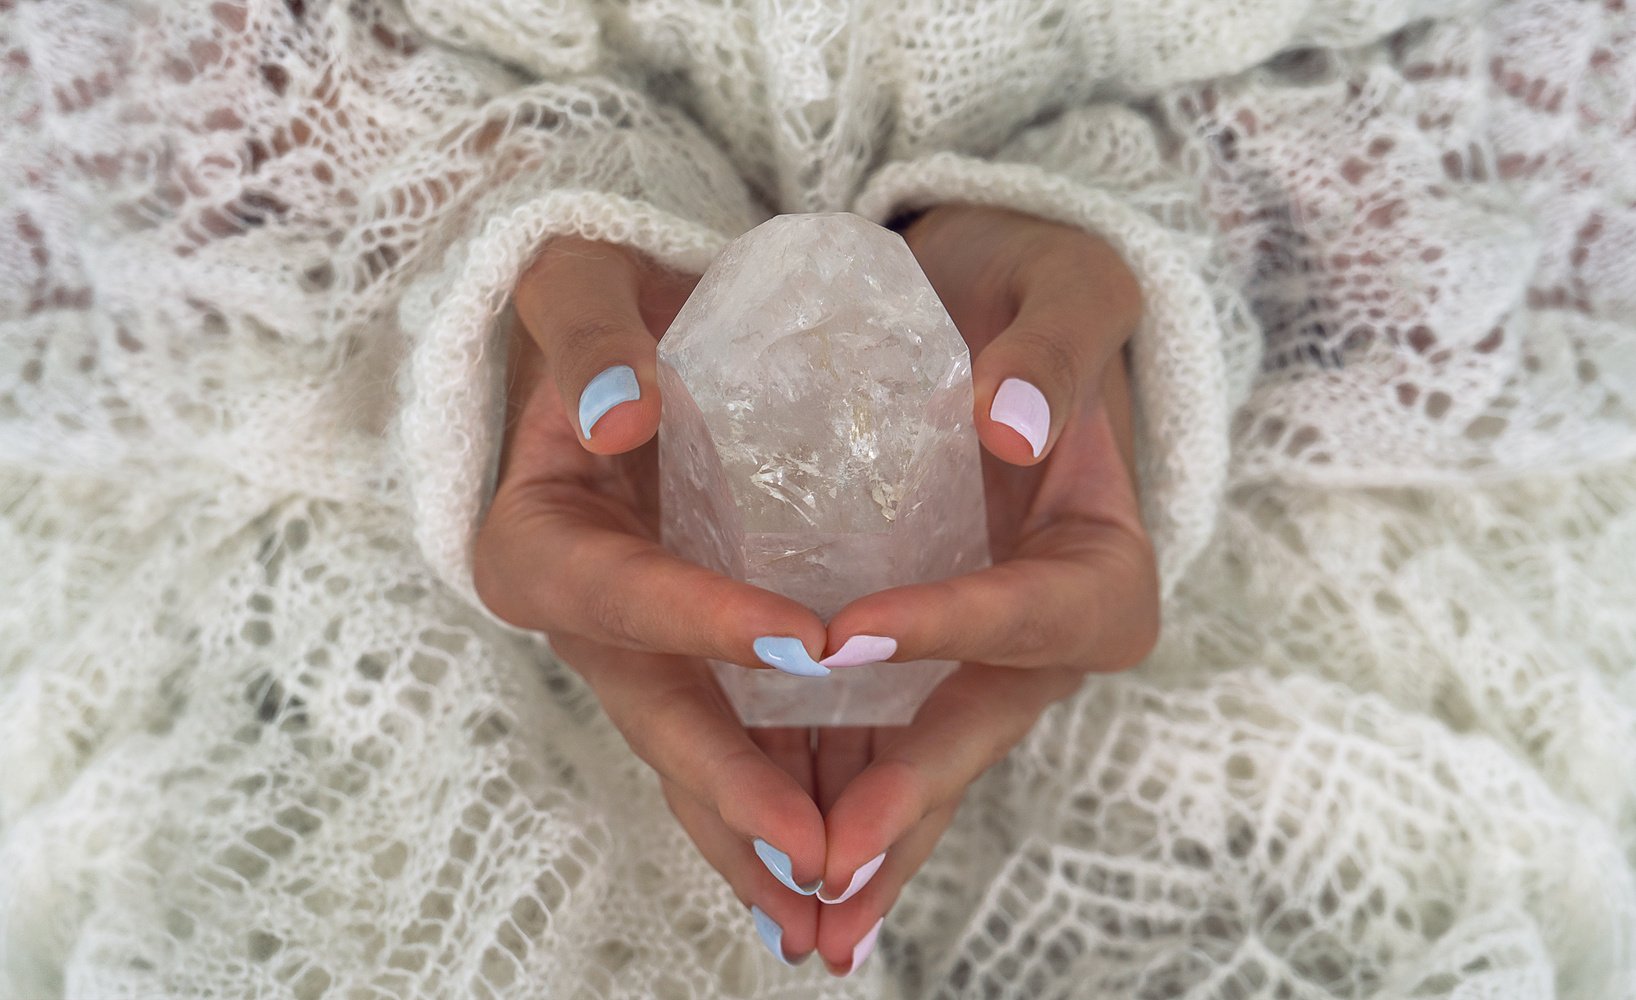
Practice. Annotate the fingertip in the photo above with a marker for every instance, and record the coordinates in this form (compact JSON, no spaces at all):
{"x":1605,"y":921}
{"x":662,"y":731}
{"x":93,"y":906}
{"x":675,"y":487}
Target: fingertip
{"x":782,"y":867}
{"x":617,"y":410}
{"x":787,"y":927}
{"x":1007,"y":445}
{"x":788,"y":654}
{"x":764,"y":629}
{"x":882,"y":803}
{"x":901,"y":624}
{"x":861,"y":649}
{"x":847,"y":886}
{"x":777,"y":819}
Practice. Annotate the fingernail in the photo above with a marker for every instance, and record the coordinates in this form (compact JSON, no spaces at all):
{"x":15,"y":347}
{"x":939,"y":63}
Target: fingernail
{"x":778,"y":863}
{"x":864,"y":948}
{"x":862,"y":649}
{"x":611,"y":387}
{"x":860,"y":878}
{"x":772,"y":935}
{"x":788,"y":655}
{"x":1023,"y":408}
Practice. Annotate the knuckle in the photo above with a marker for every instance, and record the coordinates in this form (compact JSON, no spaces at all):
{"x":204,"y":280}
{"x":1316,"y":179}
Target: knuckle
{"x":586,"y":333}
{"x":1034,"y":639}
{"x":607,"y":608}
{"x":943,"y":633}
{"x":1136,"y":632}
{"x":1036,"y":629}
{"x":1052,"y":353}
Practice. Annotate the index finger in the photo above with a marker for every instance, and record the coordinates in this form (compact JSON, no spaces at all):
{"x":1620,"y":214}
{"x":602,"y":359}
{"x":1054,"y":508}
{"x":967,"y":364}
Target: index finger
{"x":1080,"y":590}
{"x":918,"y":776}
{"x":674,"y":716}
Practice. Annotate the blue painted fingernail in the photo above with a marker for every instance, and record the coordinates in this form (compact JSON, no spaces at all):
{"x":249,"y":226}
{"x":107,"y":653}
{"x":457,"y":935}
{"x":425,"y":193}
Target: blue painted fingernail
{"x":611,"y":387}
{"x":788,"y":655}
{"x":772,"y":935}
{"x":778,"y":863}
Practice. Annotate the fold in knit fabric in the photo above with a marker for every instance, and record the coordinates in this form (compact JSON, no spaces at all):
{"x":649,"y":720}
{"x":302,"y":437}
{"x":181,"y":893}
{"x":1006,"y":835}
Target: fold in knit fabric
{"x":260,"y":740}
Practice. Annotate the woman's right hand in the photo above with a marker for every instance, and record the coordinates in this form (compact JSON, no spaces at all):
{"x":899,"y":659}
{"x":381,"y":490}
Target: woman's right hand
{"x":569,"y":546}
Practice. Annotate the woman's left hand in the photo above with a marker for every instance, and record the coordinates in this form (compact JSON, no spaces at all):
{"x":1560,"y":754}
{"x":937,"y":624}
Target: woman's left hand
{"x":1046,"y":310}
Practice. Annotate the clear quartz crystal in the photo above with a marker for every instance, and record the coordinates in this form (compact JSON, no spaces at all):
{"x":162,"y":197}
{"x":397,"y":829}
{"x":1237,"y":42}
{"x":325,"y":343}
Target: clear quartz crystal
{"x":817,"y":441}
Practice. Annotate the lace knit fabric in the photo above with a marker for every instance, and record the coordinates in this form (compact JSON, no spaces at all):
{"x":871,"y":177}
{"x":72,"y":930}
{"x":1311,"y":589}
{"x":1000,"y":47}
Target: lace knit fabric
{"x":259,"y":740}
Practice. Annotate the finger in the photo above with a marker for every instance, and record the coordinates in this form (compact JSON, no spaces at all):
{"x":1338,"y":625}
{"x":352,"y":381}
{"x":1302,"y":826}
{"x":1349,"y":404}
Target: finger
{"x":795,"y":917}
{"x":675,"y":718}
{"x":553,"y":556}
{"x":848,"y":933}
{"x":841,"y":753}
{"x":967,"y":724}
{"x":790,"y":747}
{"x":1077,"y":305}
{"x":580,"y":301}
{"x":1076,"y":595}
{"x":1080,"y":588}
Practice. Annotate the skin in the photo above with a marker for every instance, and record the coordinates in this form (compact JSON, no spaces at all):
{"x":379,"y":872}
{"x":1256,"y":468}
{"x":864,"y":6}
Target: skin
{"x":569,"y":546}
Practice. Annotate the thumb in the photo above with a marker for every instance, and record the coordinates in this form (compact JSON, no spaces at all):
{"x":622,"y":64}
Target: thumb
{"x":579,"y":301}
{"x":1073,"y":315}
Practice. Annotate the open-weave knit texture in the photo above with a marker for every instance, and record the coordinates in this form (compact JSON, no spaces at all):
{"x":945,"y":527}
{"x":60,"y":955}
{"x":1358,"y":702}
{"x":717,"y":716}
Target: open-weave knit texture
{"x":257,"y":738}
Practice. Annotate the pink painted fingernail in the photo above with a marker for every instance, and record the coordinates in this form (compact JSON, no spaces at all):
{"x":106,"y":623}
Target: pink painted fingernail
{"x":1022,"y":407}
{"x":860,"y":878}
{"x":860,"y":650}
{"x":865,"y":947}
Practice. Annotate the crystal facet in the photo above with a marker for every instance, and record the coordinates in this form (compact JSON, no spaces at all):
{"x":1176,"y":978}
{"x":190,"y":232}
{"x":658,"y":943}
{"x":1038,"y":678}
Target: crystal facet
{"x":817,"y":442}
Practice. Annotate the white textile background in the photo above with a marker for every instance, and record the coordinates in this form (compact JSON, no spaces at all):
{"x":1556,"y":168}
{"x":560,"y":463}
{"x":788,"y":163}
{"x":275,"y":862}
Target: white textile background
{"x":257,"y":740}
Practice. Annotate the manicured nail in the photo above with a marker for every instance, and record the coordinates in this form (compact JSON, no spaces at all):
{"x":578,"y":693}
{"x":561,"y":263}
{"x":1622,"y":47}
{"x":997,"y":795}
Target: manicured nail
{"x":788,"y":655}
{"x":865,"y":947}
{"x":1023,"y":408}
{"x":860,"y":878}
{"x":778,"y":863}
{"x":772,"y":935}
{"x":860,"y":650}
{"x":611,"y":387}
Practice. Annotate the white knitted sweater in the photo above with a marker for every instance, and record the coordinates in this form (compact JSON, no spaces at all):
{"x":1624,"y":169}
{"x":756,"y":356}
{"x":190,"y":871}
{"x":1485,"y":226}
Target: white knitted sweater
{"x":256,"y":738}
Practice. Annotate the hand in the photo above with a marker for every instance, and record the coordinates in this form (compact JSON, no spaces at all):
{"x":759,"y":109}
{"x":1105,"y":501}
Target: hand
{"x":568,"y":546}
{"x":1073,"y":588}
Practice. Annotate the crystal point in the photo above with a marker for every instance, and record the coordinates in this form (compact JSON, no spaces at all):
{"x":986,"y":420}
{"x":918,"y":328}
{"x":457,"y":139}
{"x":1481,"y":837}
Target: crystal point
{"x":817,"y":442}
